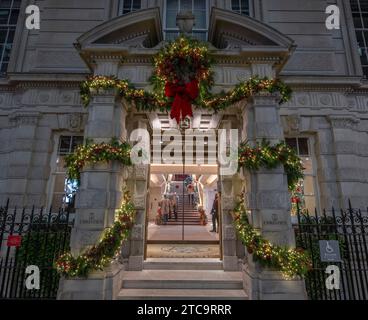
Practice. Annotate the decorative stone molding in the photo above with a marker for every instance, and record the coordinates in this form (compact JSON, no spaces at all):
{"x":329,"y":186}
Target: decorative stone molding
{"x":292,"y":124}
{"x":343,"y":122}
{"x":24,"y":118}
{"x":74,"y":122}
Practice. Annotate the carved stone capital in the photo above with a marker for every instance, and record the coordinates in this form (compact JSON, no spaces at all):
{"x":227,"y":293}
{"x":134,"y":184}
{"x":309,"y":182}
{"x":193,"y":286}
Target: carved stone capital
{"x":343,"y":122}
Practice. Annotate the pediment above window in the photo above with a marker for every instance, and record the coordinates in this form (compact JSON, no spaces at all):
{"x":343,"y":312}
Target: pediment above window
{"x":139,"y":29}
{"x":229,"y":30}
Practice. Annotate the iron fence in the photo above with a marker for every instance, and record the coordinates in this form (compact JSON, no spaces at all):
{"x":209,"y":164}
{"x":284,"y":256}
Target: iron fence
{"x":31,"y":237}
{"x":350,"y":228}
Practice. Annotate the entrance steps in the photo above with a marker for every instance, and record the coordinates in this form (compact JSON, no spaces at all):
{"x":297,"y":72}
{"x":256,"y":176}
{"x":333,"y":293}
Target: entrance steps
{"x":182,"y":279}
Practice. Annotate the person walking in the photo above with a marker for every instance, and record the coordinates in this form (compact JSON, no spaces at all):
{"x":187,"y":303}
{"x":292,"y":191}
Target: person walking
{"x":215,"y":213}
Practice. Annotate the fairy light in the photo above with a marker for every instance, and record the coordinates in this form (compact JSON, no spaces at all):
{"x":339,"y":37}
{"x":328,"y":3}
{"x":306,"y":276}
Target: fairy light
{"x":291,"y":262}
{"x":102,"y":254}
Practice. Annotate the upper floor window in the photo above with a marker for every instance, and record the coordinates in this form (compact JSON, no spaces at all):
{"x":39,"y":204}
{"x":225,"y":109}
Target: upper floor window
{"x":200,"y":11}
{"x":126,"y":6}
{"x":9,"y":12}
{"x":305,"y":195}
{"x":240,"y":6}
{"x":359,"y":10}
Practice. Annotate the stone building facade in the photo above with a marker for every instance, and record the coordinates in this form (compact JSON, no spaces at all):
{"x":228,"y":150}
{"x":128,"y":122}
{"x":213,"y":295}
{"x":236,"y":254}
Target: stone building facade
{"x":42,"y":118}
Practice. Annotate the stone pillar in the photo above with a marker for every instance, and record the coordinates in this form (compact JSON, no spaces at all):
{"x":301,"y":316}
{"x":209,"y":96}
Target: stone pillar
{"x":268,"y":201}
{"x":349,"y":147}
{"x":100,"y":194}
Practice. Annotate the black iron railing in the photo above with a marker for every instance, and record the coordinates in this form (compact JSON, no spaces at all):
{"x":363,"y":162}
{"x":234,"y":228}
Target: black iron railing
{"x":31,"y":237}
{"x":350,"y":228}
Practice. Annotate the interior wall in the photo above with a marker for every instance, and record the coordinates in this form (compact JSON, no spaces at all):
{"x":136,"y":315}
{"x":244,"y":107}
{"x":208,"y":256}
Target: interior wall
{"x":155,"y":197}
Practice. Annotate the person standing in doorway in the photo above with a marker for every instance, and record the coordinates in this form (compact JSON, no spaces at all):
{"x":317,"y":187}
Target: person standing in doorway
{"x":215,"y":214}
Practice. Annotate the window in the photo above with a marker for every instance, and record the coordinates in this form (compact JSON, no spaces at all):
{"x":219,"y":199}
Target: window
{"x":126,"y":6}
{"x":305,"y":194}
{"x":240,"y":6}
{"x":9,"y":12}
{"x":359,"y":10}
{"x":199,"y":9}
{"x":64,"y":190}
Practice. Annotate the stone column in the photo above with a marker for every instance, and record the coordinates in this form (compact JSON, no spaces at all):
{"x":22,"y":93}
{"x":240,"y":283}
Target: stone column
{"x":99,"y":196}
{"x":349,"y":148}
{"x":268,"y":201}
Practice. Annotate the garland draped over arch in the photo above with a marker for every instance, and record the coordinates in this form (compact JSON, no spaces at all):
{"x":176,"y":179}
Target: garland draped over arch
{"x":183,"y":77}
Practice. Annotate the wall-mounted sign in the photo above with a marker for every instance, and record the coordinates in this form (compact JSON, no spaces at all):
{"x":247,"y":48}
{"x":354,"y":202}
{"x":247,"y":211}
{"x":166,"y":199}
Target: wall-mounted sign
{"x":14,"y":241}
{"x":329,"y":251}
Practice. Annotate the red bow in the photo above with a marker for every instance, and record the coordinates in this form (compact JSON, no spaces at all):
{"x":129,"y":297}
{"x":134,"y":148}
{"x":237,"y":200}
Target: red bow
{"x":184,"y":95}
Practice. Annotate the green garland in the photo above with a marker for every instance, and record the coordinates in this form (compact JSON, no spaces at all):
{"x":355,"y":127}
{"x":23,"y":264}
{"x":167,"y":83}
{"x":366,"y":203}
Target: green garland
{"x":178,"y":62}
{"x":265,"y":155}
{"x":99,"y":256}
{"x":291,"y":262}
{"x":152,"y":101}
{"x":96,"y":152}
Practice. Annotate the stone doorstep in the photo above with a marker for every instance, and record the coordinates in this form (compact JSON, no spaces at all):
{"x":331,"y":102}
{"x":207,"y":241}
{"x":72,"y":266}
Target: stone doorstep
{"x":182,"y":264}
{"x":181,"y":294}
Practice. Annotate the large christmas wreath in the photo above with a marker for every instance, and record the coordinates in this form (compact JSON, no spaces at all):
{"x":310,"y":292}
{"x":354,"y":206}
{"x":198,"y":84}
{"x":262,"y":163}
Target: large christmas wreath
{"x":183,"y":77}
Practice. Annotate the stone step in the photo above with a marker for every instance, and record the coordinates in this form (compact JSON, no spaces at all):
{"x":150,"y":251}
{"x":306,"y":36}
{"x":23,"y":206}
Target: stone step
{"x":182,"y":284}
{"x":181,"y":294}
{"x":182,"y":264}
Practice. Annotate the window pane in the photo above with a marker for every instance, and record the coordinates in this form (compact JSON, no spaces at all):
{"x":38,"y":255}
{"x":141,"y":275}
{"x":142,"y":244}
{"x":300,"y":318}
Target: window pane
{"x":127,"y":5}
{"x":76,"y":142}
{"x":200,"y":20}
{"x":5,"y":3}
{"x":4,"y":16}
{"x":303,"y":146}
{"x":186,"y":5}
{"x":199,"y":5}
{"x":291,"y":142}
{"x":136,"y":4}
{"x":64,"y":146}
{"x":171,"y":19}
{"x":172,"y":5}
{"x":235,"y":5}
{"x":357,"y":20}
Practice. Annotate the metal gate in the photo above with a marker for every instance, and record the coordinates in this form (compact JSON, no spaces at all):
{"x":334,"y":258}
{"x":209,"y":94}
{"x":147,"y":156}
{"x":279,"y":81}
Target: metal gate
{"x":31,"y":237}
{"x":350,"y":228}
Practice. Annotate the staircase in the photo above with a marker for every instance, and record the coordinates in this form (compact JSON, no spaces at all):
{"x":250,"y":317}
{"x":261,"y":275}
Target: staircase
{"x":182,"y":279}
{"x":189,"y":214}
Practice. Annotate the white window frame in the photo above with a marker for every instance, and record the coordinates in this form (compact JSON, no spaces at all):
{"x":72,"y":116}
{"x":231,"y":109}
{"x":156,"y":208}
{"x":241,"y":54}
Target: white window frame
{"x":53,"y":166}
{"x":250,"y":5}
{"x":121,"y":6}
{"x":312,"y":156}
{"x":204,"y":31}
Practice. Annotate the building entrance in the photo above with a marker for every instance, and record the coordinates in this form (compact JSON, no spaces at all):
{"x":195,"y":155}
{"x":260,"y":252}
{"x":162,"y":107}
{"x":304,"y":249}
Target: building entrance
{"x":182,"y":220}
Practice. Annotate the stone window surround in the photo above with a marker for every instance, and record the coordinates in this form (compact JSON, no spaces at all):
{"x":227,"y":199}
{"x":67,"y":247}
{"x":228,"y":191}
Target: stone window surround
{"x":312,"y":156}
